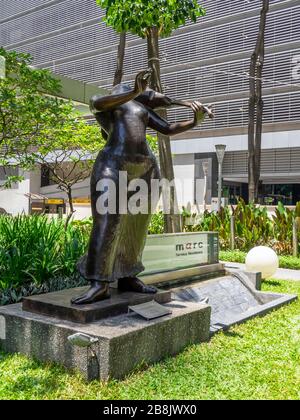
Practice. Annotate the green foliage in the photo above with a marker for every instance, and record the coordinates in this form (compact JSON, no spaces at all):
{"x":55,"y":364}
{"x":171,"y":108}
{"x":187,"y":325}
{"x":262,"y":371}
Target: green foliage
{"x":283,"y":222}
{"x":67,"y":151}
{"x":233,"y":256}
{"x":15,"y":295}
{"x":26,"y":114}
{"x":258,"y":360}
{"x":41,"y":129}
{"x":253,"y":227}
{"x":287,"y":261}
{"x":139,"y":15}
{"x":153,"y":143}
{"x":156,"y":226}
{"x":34,"y":249}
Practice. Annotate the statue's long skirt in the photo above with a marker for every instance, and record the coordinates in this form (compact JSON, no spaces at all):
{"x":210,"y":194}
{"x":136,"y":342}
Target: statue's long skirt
{"x":117,"y":239}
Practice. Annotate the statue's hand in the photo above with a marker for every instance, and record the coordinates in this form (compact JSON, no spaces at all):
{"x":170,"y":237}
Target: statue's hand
{"x":201,"y":111}
{"x":142,"y":81}
{"x":167,"y":101}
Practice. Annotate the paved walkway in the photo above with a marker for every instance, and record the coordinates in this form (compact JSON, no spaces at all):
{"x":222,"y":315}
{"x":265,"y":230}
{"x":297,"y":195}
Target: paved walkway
{"x":281,"y":273}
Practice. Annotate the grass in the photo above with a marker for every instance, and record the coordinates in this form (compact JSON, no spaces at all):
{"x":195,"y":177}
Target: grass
{"x":256,"y":360}
{"x":285,"y":261}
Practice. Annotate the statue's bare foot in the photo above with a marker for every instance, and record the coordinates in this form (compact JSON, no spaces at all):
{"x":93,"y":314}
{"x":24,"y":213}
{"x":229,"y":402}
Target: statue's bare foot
{"x":133,"y":284}
{"x":98,"y":291}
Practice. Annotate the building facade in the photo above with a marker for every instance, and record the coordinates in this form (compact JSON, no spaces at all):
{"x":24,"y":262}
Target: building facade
{"x":207,"y":61}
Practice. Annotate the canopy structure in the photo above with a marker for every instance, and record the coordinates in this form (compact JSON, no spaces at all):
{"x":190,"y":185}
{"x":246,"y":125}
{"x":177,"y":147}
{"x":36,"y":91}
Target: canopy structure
{"x":35,"y":196}
{"x":71,"y":89}
{"x":79,"y":92}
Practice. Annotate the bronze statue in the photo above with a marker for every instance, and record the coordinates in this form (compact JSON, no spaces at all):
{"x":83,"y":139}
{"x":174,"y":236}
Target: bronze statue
{"x":117,"y":240}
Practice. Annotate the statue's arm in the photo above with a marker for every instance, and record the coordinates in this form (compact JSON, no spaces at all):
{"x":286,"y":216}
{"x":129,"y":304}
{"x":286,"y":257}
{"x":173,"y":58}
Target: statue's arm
{"x":100,"y":103}
{"x":159,"y":124}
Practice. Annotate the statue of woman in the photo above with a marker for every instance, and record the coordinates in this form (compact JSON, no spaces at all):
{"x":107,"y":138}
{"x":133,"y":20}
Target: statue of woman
{"x":117,"y":240}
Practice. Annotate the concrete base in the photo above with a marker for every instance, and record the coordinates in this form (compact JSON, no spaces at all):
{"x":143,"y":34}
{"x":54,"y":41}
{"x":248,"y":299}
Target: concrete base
{"x":58,"y":304}
{"x":124,"y":342}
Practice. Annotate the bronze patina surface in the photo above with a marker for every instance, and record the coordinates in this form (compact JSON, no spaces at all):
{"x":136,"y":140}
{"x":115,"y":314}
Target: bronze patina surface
{"x":117,"y":240}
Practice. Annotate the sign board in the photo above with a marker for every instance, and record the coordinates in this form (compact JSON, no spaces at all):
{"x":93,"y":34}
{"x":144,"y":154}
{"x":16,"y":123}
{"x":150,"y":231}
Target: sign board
{"x":2,"y":67}
{"x":55,"y":201}
{"x":171,"y":252}
{"x":82,"y":201}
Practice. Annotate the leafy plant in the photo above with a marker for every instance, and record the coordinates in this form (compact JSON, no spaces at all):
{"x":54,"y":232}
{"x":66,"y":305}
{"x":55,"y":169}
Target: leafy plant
{"x":156,"y":226}
{"x":34,"y":249}
{"x":26,"y":113}
{"x":253,"y":226}
{"x":16,"y":294}
{"x":139,"y":15}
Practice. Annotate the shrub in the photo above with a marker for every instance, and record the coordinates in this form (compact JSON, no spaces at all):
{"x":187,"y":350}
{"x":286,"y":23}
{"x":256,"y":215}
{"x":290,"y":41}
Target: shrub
{"x":34,"y":249}
{"x":16,"y":294}
{"x":253,"y":226}
{"x":156,"y":226}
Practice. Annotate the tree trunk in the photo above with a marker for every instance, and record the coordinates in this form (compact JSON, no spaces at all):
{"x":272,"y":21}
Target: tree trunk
{"x":172,"y":220}
{"x":251,"y":130}
{"x":71,"y":206}
{"x":258,"y":138}
{"x":256,"y":107}
{"x":119,"y":73}
{"x":120,"y":60}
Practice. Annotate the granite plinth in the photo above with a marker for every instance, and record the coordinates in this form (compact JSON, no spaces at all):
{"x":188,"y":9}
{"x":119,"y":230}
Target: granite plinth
{"x":119,"y":344}
{"x":58,"y":304}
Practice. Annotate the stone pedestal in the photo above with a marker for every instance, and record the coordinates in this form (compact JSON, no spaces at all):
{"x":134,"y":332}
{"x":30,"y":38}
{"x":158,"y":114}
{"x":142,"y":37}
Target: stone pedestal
{"x":123,"y":342}
{"x":58,"y":304}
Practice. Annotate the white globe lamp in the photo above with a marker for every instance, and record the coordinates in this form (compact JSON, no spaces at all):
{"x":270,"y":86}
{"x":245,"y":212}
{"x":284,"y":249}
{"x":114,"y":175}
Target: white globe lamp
{"x":262,"y":259}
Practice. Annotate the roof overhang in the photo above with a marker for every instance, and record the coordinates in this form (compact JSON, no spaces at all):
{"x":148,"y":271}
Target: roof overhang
{"x":75,"y":90}
{"x":78,"y":92}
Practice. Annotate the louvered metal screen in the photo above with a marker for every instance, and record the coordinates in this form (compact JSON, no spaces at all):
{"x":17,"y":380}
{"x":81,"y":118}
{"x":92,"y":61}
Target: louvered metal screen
{"x":49,"y":19}
{"x":199,"y":63}
{"x":203,"y":44}
{"x":12,"y":7}
{"x":273,"y":161}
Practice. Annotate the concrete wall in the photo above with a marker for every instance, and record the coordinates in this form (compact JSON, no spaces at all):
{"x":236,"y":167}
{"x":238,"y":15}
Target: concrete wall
{"x":81,"y":189}
{"x":276,"y":140}
{"x":14,"y":200}
{"x":35,"y":181}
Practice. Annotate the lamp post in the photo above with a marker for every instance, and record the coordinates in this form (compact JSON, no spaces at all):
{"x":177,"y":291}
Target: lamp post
{"x":205,"y":166}
{"x":2,"y":67}
{"x":220,"y":151}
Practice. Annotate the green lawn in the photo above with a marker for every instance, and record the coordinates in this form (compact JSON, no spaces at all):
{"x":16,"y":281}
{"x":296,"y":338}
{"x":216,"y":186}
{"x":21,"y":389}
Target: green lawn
{"x":257,"y":360}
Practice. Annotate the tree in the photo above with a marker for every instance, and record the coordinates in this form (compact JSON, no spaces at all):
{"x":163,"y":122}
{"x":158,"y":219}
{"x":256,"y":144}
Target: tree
{"x":39,"y":129}
{"x":120,"y":60}
{"x":24,"y":112}
{"x":152,"y":20}
{"x":67,"y":154}
{"x":256,"y":107}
